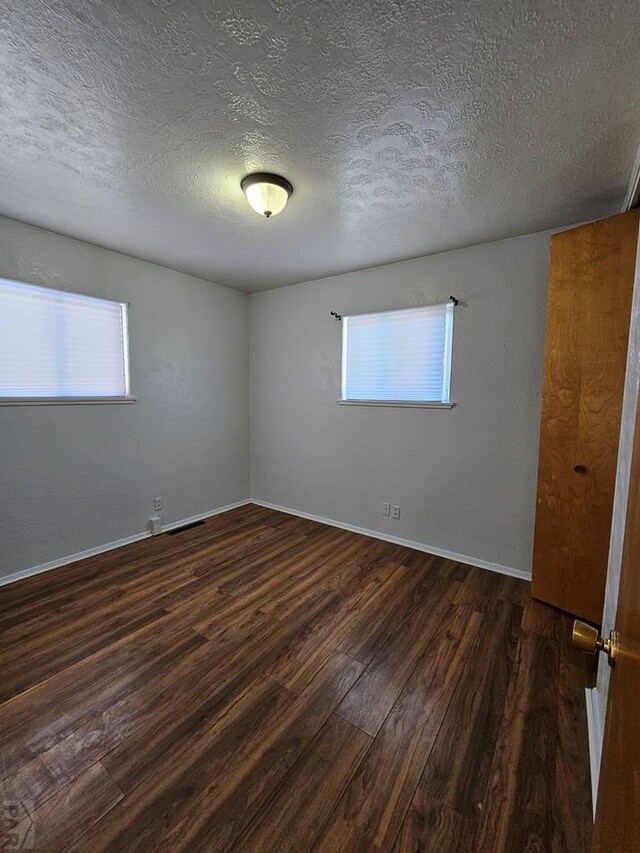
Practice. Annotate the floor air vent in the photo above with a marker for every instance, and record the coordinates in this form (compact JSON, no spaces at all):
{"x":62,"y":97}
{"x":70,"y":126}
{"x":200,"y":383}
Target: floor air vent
{"x":184,"y":527}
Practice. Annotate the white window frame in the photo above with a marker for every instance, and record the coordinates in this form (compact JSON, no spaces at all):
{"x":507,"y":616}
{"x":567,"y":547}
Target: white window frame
{"x":70,"y":400}
{"x":444,"y":403}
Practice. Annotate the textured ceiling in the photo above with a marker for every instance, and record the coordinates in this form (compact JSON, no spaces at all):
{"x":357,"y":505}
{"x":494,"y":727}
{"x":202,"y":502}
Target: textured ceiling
{"x":406,"y":126}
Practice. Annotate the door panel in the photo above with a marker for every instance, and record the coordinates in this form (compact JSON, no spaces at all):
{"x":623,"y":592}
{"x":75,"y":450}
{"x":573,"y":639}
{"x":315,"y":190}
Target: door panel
{"x":590,"y":289}
{"x":618,"y":809}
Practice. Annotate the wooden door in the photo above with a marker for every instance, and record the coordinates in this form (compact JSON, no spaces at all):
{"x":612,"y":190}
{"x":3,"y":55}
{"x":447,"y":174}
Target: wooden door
{"x":618,"y":809}
{"x":590,"y":288}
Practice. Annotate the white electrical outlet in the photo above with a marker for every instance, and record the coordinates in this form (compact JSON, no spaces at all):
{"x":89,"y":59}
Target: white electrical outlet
{"x":395,"y":511}
{"x":386,"y":509}
{"x":158,"y":504}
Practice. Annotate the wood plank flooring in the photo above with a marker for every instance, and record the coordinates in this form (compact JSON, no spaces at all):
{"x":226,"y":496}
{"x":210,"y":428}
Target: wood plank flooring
{"x":266,"y":683}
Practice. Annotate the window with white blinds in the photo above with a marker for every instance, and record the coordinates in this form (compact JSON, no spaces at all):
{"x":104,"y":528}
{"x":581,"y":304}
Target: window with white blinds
{"x":398,"y":356}
{"x":59,"y":345}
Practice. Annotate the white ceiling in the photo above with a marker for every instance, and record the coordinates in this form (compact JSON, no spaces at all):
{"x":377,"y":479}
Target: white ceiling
{"x":406,"y":126}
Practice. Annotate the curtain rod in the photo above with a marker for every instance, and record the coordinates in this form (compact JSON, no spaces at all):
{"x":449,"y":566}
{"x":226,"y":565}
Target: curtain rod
{"x":452,"y":299}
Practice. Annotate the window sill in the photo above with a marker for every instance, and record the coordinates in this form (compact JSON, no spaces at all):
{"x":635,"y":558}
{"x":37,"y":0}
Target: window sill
{"x":65,"y":401}
{"x":406,"y":404}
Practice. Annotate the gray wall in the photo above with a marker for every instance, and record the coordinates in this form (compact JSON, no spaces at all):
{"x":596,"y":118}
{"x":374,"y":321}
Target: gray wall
{"x":76,"y":477}
{"x":465,"y":478}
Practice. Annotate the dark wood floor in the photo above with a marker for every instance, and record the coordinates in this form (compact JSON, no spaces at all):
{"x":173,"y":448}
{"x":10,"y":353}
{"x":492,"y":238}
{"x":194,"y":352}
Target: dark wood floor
{"x":266,"y":683}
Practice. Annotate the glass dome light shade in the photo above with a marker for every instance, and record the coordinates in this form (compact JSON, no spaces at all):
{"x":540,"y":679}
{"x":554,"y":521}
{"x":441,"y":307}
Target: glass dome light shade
{"x":267,"y":194}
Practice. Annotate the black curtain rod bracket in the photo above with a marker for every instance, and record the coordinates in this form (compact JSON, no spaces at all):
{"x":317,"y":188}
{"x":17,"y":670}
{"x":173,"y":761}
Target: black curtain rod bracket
{"x":454,"y":300}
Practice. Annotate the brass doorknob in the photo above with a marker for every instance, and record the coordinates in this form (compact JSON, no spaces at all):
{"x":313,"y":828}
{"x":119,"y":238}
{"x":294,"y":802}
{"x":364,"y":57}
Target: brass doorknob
{"x":586,"y":639}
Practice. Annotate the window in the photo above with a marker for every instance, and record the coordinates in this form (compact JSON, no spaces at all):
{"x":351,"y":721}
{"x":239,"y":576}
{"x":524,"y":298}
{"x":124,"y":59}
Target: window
{"x":61,"y":347}
{"x":398,"y":357}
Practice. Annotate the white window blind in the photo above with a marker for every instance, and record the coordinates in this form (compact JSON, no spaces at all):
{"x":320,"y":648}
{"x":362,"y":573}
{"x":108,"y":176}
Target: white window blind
{"x":398,"y":356}
{"x":55,"y":344}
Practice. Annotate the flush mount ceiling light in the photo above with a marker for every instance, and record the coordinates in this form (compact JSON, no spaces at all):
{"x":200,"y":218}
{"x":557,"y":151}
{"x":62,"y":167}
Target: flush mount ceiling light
{"x":266,"y":193}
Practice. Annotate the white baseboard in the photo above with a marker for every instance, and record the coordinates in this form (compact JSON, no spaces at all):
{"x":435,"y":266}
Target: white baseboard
{"x":397,"y":540}
{"x":110,"y":546}
{"x":375,"y":534}
{"x":594,"y":725}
